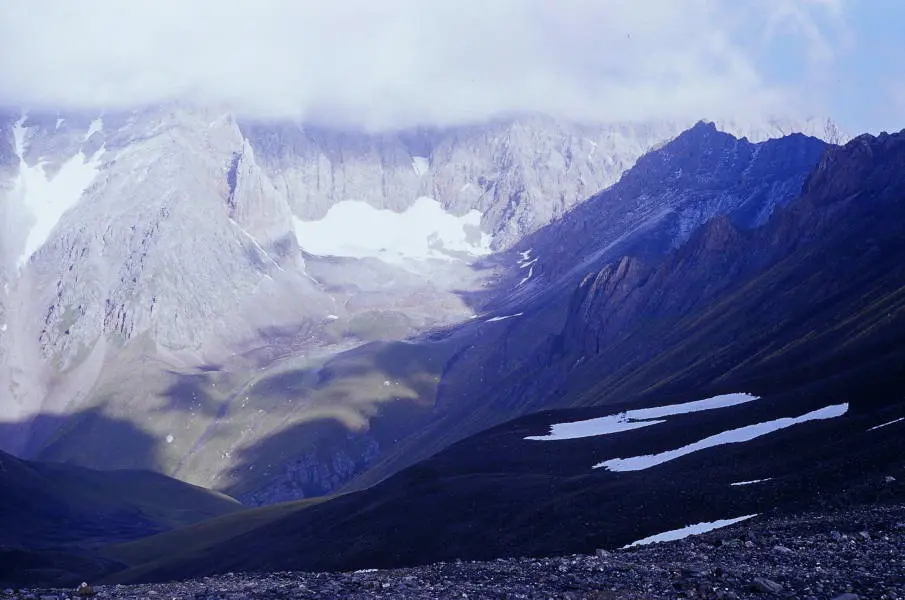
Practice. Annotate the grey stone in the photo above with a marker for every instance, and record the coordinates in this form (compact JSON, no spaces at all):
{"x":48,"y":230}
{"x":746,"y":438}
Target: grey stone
{"x":762,"y":584}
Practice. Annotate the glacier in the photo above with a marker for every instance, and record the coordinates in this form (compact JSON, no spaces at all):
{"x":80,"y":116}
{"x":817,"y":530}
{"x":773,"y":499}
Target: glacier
{"x":422,"y":231}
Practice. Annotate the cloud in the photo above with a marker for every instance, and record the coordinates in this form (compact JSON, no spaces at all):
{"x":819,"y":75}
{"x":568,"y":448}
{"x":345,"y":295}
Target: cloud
{"x":404,"y":62}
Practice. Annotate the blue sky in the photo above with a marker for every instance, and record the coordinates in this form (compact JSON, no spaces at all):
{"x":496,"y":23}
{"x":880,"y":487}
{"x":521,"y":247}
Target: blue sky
{"x":398,"y":63}
{"x":861,"y":79}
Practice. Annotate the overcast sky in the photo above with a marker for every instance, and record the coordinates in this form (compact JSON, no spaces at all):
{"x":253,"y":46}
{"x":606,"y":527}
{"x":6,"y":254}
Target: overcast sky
{"x":388,"y":63}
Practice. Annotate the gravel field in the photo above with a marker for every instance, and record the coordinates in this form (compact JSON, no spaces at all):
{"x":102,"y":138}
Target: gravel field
{"x":846,"y":555}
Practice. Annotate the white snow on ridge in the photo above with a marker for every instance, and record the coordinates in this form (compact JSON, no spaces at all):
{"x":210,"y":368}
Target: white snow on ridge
{"x":684,"y":532}
{"x":420,"y":164}
{"x":96,"y":125}
{"x":893,"y":422}
{"x":634,"y":419}
{"x":752,"y":482}
{"x":423,"y":231}
{"x":49,"y":199}
{"x":733,"y":436}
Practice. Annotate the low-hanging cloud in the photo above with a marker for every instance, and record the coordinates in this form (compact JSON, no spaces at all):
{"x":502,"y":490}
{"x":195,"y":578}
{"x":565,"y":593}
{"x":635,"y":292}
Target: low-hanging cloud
{"x":404,"y":62}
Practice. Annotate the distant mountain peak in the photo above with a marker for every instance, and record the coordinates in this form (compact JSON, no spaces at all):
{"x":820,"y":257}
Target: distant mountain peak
{"x":866,"y":164}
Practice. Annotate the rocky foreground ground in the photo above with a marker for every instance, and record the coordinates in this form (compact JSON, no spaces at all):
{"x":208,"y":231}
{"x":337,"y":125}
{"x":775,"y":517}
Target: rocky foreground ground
{"x":845,"y":555}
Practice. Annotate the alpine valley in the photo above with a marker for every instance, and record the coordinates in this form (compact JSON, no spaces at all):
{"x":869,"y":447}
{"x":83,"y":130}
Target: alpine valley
{"x":522,"y":337}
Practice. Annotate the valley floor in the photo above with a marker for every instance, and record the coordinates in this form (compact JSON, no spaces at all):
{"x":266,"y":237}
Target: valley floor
{"x":856,"y":553}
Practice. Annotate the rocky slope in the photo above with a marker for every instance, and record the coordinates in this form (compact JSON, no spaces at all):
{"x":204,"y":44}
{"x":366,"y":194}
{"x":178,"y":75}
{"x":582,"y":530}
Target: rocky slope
{"x":804,"y":314}
{"x":154,"y":275}
{"x":519,"y":173}
{"x":841,"y":555}
{"x":508,"y":360}
{"x":729,"y":305}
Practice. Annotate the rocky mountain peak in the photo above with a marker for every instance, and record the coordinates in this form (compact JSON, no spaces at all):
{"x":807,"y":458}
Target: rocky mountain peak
{"x":866,"y":165}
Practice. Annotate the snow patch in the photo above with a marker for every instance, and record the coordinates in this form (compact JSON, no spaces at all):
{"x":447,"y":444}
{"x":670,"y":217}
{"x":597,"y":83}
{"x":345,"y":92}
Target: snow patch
{"x":423,"y":231}
{"x":332,"y":317}
{"x":421,"y":165}
{"x":634,"y":419}
{"x":526,"y":262}
{"x":96,"y":125}
{"x":752,"y":482}
{"x":893,"y":422}
{"x":170,"y":439}
{"x":503,"y":318}
{"x":49,"y":199}
{"x":59,"y":122}
{"x":733,"y":436}
{"x":684,"y":532}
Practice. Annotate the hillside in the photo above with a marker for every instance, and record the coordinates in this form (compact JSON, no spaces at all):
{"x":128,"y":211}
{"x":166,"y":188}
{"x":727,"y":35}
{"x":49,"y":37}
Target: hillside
{"x":52,"y":514}
{"x":806,"y":315}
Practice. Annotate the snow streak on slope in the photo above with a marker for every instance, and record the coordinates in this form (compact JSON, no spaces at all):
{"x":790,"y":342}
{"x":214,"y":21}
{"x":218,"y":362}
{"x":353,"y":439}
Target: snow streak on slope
{"x":423,"y":231}
{"x":751,"y":482}
{"x":634,"y":419}
{"x":48,"y":199}
{"x":503,"y":318}
{"x":526,"y":262}
{"x":733,"y":436}
{"x":684,"y":532}
{"x":882,"y":425}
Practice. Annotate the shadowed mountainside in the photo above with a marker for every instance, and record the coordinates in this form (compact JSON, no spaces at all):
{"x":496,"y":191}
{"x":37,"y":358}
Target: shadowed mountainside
{"x":51,"y":515}
{"x":807,"y":312}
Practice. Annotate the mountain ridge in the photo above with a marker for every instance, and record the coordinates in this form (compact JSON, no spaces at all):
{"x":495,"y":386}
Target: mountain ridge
{"x":189,"y":290}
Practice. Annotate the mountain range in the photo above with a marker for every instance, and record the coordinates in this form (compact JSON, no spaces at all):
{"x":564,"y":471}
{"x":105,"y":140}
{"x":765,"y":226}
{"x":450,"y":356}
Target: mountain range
{"x":153,"y":264}
{"x":407,"y":323}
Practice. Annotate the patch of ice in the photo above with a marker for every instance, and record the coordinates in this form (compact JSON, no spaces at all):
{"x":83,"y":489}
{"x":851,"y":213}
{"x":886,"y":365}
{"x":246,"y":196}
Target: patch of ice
{"x":753,"y":481}
{"x":423,"y":231}
{"x":893,"y":422}
{"x":49,"y":199}
{"x":421,"y":165}
{"x":634,"y":419}
{"x":684,"y":532}
{"x":503,"y":318}
{"x":733,"y":436}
